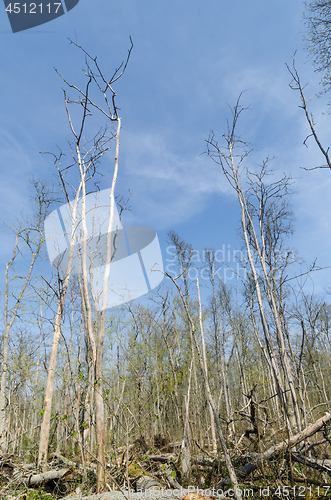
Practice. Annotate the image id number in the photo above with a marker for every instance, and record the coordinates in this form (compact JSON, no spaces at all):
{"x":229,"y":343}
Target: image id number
{"x":33,"y":8}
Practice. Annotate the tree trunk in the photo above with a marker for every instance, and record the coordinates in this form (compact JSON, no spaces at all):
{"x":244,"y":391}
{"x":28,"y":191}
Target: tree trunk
{"x":210,"y":399}
{"x":46,"y":422}
{"x":45,"y":426}
{"x":3,"y":404}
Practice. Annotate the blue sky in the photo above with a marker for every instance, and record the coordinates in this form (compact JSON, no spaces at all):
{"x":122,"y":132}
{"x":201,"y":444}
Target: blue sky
{"x":189,"y":60}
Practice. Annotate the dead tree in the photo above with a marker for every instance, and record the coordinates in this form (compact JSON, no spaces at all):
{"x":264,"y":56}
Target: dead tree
{"x":274,"y":451}
{"x":296,"y":85}
{"x":86,"y":158}
{"x":210,"y":399}
{"x":255,"y":232}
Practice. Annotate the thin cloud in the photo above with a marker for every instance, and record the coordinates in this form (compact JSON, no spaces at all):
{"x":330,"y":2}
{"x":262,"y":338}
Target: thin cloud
{"x":171,"y":188}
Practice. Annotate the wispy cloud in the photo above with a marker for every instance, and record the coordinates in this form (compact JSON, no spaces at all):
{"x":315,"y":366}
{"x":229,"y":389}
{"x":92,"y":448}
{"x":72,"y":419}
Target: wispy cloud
{"x":168,"y":187}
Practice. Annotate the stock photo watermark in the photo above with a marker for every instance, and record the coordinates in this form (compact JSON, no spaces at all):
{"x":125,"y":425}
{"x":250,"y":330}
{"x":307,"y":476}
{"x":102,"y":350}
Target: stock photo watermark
{"x":228,"y":264}
{"x":24,"y":15}
{"x":136,"y":265}
{"x":260,"y":492}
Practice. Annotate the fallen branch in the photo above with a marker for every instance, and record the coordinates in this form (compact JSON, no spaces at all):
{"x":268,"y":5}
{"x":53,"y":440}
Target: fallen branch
{"x":308,"y":480}
{"x":47,"y":476}
{"x":321,"y":465}
{"x":275,"y":450}
{"x":162,"y":458}
{"x":171,"y":479}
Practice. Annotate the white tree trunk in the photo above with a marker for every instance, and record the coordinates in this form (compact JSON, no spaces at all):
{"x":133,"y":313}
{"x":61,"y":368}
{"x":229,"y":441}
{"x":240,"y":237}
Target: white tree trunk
{"x":46,"y":422}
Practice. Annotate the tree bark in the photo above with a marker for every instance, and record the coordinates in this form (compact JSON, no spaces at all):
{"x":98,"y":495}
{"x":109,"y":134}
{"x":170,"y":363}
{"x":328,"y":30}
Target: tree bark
{"x":47,"y":476}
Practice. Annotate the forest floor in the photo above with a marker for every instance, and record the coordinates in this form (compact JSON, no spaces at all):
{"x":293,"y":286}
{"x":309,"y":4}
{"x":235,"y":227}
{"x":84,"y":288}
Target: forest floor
{"x":158,"y":476}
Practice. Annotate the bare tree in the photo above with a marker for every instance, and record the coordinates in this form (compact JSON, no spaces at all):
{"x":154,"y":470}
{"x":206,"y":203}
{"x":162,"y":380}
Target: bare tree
{"x":210,"y":399}
{"x":318,"y":38}
{"x":28,"y":237}
{"x":61,"y":295}
{"x":219,"y":338}
{"x":87,"y":158}
{"x":296,"y":85}
{"x":257,"y":235}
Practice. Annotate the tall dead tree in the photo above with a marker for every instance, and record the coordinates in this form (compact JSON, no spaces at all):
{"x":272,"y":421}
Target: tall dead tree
{"x":63,"y":279}
{"x":256,"y":222}
{"x":201,"y":357}
{"x":87,"y":158}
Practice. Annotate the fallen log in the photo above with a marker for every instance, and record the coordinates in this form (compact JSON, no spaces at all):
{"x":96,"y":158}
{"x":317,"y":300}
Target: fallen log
{"x":47,"y":476}
{"x":165,"y":457}
{"x":272,"y":452}
{"x":321,"y":465}
{"x":28,"y":466}
{"x":14,"y":472}
{"x":204,"y":461}
{"x":144,"y":481}
{"x":117,"y":495}
{"x":298,"y":479}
